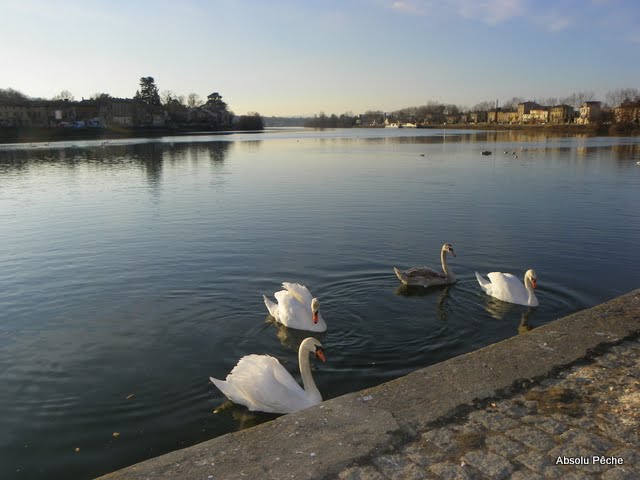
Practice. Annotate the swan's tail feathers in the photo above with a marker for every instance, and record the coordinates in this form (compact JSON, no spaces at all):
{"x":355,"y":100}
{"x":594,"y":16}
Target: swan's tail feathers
{"x":218,"y":383}
{"x":401,"y":276}
{"x":271,"y":306}
{"x":484,"y":283}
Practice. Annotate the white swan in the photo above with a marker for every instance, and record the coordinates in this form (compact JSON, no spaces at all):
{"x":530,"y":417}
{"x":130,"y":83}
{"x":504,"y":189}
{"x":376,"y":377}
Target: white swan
{"x":296,"y":308}
{"x":428,"y":277}
{"x":262,"y":384}
{"x":508,"y":288}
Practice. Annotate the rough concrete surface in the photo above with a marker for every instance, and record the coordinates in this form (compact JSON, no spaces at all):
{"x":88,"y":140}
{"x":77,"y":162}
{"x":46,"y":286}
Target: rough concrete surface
{"x":505,"y":411}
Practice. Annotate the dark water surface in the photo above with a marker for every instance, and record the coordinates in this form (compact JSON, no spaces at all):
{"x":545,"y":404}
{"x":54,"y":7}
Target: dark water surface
{"x":138,"y":267}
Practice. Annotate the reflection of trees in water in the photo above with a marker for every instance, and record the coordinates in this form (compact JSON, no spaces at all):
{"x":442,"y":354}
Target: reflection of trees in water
{"x":149,"y":155}
{"x":251,"y":146}
{"x":457,"y":136}
{"x":23,"y":159}
{"x":213,"y":152}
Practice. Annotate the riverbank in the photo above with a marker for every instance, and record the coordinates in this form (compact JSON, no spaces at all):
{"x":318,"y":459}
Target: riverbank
{"x":28,"y":135}
{"x":567,"y":389}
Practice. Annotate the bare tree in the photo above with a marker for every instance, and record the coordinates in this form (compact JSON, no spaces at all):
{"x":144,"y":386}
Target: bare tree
{"x":620,"y":95}
{"x":578,"y":98}
{"x":484,"y":106}
{"x":166,"y":96}
{"x":100,"y":97}
{"x":512,"y":103}
{"x":194,"y":100}
{"x":547,"y":101}
{"x":64,"y":95}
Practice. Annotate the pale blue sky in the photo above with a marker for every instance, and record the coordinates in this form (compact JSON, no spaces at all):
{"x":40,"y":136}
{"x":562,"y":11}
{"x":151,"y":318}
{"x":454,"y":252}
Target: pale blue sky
{"x":286,"y":57}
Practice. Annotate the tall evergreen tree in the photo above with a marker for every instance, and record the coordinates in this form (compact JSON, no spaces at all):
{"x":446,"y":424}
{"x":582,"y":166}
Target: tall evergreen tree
{"x":215,"y":100}
{"x":148,"y":92}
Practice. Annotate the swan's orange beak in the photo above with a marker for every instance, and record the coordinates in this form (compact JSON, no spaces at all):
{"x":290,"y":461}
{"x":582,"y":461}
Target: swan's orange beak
{"x":320,"y":354}
{"x":452,"y":252}
{"x":315,"y":317}
{"x":534,"y":283}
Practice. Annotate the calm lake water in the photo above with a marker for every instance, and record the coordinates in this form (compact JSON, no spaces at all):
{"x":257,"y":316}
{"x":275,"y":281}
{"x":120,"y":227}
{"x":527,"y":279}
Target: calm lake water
{"x":138,"y":267}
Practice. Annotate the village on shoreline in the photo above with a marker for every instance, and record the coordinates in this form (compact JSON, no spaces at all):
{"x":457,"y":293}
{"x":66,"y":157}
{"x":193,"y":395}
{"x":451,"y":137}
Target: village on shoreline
{"x":148,"y":113}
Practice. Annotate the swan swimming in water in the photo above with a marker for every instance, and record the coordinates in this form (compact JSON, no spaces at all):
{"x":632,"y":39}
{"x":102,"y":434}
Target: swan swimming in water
{"x":428,"y":277}
{"x":262,"y":384}
{"x":508,"y":288}
{"x":296,"y":308}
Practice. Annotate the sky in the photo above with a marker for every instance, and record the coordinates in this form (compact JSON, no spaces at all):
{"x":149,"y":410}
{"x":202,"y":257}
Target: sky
{"x":303,"y":57}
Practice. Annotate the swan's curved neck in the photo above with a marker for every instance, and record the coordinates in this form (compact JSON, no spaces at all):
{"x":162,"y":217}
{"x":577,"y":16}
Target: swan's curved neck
{"x":530,"y":290}
{"x":308,"y":383}
{"x":445,"y":267}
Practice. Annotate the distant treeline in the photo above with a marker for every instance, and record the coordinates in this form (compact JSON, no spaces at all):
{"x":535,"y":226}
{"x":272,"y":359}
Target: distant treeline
{"x":285,"y":121}
{"x":332,"y":121}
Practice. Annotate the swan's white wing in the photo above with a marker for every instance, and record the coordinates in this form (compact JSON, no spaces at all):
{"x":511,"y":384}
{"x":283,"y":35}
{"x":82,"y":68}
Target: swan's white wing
{"x":292,"y":313}
{"x":302,"y":293}
{"x":261,"y":383}
{"x":484,"y":283}
{"x":506,"y":287}
{"x":271,"y":307}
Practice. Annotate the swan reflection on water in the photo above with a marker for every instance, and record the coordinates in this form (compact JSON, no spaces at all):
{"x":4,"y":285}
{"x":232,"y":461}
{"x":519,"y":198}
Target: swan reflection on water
{"x":244,"y":417}
{"x":441,"y":307}
{"x":524,"y":325}
{"x":291,"y":338}
{"x":499,"y":310}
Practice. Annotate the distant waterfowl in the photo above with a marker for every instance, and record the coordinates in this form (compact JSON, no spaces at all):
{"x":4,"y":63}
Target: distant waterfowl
{"x":486,"y":152}
{"x":296,"y":308}
{"x":506,"y":287}
{"x":428,"y":277}
{"x":262,"y":384}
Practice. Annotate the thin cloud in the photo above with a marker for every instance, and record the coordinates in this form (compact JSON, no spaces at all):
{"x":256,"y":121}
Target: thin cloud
{"x":491,"y":12}
{"x":558,"y":25}
{"x":409,"y":7}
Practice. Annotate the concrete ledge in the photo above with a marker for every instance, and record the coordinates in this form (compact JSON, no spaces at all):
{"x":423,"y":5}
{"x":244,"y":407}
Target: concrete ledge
{"x":321,"y":441}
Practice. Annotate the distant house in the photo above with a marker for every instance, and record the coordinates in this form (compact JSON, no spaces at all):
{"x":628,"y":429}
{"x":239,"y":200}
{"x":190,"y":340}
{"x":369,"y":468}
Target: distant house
{"x":589,"y":112}
{"x":212,"y":117}
{"x":478,"y":117}
{"x":525,"y":108}
{"x":150,"y":115}
{"x":118,"y":112}
{"x":492,"y":115}
{"x":33,"y":114}
{"x":87,"y":110}
{"x":453,"y":118}
{"x":628,"y":113}
{"x":561,"y":114}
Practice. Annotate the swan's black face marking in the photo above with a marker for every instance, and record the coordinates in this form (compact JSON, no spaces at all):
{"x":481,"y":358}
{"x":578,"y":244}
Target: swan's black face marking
{"x":315,"y":306}
{"x":320,"y":353}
